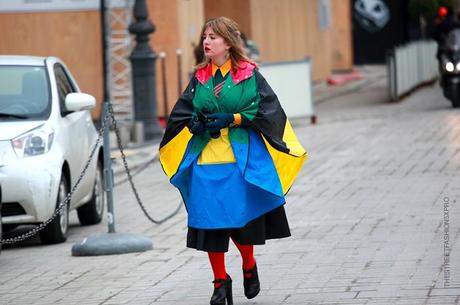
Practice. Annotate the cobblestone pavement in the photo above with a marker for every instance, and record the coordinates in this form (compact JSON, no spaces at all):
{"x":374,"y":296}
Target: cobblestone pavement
{"x":367,"y":217}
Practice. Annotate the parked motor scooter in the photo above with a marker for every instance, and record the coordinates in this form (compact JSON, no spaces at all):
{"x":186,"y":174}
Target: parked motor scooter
{"x":449,"y":66}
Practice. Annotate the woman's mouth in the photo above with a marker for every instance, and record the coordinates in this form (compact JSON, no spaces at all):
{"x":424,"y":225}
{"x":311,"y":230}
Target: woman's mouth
{"x":207,"y":49}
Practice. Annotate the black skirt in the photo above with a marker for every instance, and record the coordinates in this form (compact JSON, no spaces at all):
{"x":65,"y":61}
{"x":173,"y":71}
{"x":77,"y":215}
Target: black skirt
{"x":271,"y":225}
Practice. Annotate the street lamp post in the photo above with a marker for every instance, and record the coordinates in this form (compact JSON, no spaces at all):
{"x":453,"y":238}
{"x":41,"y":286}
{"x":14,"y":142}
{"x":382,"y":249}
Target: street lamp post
{"x":143,"y":70}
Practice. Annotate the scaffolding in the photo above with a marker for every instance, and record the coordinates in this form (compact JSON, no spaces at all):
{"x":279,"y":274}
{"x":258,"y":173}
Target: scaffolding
{"x":119,"y":45}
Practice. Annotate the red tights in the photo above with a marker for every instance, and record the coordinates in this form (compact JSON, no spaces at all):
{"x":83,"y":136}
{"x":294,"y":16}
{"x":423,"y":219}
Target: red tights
{"x":217,"y":260}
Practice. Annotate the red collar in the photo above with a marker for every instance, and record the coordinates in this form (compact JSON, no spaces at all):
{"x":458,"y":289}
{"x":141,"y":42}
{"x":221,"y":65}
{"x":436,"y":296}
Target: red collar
{"x":204,"y":74}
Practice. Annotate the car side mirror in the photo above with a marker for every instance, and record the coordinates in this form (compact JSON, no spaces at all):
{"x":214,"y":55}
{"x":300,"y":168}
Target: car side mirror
{"x":79,"y":102}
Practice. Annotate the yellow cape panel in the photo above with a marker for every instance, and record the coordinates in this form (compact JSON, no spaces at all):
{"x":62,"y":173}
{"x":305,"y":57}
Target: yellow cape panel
{"x":289,"y":165}
{"x":172,"y":153}
{"x":218,"y":151}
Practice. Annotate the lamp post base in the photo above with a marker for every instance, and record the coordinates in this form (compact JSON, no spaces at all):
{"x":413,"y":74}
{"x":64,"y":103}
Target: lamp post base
{"x":111,"y":243}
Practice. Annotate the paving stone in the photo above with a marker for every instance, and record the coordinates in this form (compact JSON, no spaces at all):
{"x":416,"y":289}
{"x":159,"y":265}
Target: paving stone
{"x":366,"y":217}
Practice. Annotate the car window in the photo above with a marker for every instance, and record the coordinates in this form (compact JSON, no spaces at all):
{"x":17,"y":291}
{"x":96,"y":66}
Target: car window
{"x":64,"y":86}
{"x":24,"y":93}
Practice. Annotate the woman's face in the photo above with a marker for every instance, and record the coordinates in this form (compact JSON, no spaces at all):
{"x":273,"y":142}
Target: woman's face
{"x":214,"y":46}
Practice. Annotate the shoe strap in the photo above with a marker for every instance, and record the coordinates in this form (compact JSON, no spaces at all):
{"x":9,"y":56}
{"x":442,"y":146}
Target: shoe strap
{"x":248,"y":273}
{"x":219,"y":282}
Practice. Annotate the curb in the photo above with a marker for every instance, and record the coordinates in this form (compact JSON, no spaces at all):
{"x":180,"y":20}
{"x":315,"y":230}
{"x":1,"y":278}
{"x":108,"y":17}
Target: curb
{"x":347,"y":89}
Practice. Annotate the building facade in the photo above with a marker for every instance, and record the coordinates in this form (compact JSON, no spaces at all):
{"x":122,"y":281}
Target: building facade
{"x":283,"y":31}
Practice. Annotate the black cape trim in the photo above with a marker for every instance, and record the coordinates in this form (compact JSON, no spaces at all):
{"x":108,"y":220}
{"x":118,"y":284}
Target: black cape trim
{"x":270,"y":119}
{"x":181,"y":113}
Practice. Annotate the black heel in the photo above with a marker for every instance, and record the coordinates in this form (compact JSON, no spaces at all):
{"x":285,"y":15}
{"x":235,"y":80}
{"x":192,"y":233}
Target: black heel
{"x":223,"y":292}
{"x":251,"y":283}
{"x":229,"y":293}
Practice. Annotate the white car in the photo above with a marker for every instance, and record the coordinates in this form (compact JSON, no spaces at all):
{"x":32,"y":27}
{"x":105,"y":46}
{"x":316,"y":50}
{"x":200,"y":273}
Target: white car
{"x":46,"y":135}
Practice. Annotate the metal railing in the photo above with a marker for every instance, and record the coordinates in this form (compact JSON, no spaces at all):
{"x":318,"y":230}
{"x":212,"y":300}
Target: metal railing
{"x":410,"y":66}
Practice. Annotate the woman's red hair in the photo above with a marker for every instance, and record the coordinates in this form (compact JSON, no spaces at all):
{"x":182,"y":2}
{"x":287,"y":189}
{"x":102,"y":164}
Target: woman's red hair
{"x":229,"y":31}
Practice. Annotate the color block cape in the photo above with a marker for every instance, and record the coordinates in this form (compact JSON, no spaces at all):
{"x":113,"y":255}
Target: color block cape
{"x":266,"y":156}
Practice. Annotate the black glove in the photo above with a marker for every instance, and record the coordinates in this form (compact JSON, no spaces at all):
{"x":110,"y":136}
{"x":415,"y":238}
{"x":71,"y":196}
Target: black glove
{"x":197,"y":126}
{"x":217,"y":121}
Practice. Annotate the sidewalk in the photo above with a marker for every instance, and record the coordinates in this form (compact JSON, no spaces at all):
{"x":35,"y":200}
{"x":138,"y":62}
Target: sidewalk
{"x":135,"y":157}
{"x":370,"y":74}
{"x":370,"y":214}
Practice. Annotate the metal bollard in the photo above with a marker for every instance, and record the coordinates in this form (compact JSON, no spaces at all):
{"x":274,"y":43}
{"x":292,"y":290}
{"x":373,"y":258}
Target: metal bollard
{"x":179,"y":71}
{"x":165,"y":86}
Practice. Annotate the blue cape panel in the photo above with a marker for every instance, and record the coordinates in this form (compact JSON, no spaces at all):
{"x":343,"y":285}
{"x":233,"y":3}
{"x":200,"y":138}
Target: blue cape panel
{"x":229,"y":195}
{"x":260,"y":169}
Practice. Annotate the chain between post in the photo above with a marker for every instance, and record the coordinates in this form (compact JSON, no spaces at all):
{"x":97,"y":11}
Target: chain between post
{"x":130,"y":178}
{"x":68,"y":197}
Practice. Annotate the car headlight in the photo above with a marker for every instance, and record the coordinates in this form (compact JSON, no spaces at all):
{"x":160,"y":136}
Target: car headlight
{"x":449,"y":67}
{"x":35,"y":142}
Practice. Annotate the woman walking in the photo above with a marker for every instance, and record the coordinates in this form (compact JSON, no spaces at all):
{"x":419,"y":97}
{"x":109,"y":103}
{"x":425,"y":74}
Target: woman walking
{"x":232,"y":153}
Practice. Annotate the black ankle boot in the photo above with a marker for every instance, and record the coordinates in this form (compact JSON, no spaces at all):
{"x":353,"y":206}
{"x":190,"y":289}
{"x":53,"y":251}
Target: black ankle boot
{"x":251,"y":282}
{"x":224,"y":291}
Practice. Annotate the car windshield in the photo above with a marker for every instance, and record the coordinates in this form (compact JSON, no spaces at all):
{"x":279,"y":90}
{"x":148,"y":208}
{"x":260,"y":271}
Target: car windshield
{"x":24,"y":93}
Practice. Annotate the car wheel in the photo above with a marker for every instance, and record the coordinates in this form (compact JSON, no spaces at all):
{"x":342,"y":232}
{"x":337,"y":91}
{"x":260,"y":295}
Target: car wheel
{"x":56,"y":230}
{"x":91,"y":212}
